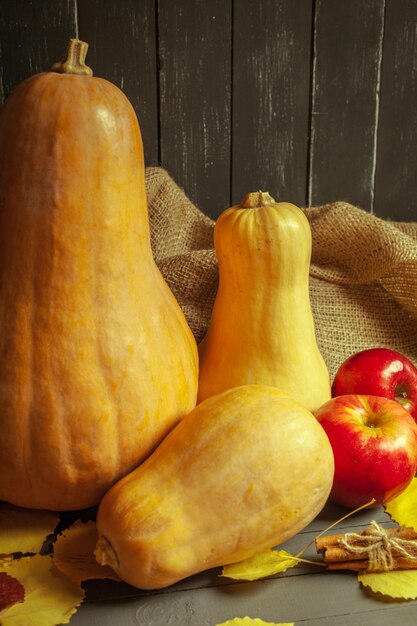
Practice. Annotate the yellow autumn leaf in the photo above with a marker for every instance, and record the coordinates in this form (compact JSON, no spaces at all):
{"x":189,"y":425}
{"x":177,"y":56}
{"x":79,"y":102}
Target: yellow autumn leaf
{"x":249,"y":621}
{"x":403,"y":509}
{"x":399,"y":584}
{"x":261,"y":565}
{"x":50,"y":598}
{"x":24,"y":530}
{"x":74,"y":553}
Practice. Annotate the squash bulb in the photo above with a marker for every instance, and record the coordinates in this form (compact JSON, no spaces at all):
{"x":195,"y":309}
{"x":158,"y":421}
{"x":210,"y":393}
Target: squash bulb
{"x":262,"y":328}
{"x":242,"y":472}
{"x":97,"y":362}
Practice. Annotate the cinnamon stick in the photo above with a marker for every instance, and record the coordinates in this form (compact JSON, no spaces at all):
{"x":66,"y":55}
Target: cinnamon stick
{"x":363,"y":565}
{"x":374,"y":549}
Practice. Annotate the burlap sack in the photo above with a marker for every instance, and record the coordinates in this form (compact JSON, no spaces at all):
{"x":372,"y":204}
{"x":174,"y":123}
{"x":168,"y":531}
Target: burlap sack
{"x":363,"y":278}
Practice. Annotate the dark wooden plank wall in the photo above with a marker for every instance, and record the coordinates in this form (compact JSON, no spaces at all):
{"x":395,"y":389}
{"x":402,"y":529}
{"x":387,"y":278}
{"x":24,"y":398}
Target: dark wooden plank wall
{"x":396,"y":181}
{"x":271,"y":98}
{"x":347,"y":54}
{"x":313,"y":100}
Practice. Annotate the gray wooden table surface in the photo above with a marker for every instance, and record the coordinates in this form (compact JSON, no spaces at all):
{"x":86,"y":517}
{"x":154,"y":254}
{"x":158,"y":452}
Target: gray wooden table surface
{"x":306,"y":595}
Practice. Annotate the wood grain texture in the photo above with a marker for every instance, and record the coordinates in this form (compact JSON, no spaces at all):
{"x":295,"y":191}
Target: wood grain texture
{"x":347,"y":59}
{"x":202,"y":608}
{"x":313,"y":100}
{"x":271,"y":82}
{"x":195,"y":83}
{"x":122,"y":38}
{"x":1,"y":76}
{"x":395,"y":187}
{"x":33,"y":36}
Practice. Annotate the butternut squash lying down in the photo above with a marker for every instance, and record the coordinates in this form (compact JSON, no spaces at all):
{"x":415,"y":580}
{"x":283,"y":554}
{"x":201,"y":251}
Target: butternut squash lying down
{"x":244,"y":471}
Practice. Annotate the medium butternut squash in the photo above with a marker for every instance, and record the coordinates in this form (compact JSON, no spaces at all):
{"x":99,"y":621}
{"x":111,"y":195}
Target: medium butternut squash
{"x":244,"y":471}
{"x":97,"y":362}
{"x":262,"y":328}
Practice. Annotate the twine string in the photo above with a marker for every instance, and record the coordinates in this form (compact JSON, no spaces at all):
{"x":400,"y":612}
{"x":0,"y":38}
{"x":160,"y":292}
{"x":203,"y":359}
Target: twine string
{"x":379,"y":547}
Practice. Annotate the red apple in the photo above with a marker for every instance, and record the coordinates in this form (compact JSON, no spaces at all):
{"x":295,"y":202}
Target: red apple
{"x":374,"y":443}
{"x":379,"y":372}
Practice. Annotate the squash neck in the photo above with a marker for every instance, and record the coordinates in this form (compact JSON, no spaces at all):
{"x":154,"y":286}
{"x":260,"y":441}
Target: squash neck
{"x":74,"y":60}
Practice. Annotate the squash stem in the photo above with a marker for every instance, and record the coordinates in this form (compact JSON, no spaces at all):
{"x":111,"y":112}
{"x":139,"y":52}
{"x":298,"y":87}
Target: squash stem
{"x":256,"y":200}
{"x":105,"y":553}
{"x":74,"y":60}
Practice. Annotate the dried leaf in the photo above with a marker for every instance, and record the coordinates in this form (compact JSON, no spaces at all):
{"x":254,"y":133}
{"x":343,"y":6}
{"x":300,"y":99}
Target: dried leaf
{"x":11,"y":591}
{"x":50,"y":598}
{"x":399,"y":584}
{"x":24,"y":530}
{"x":261,"y":565}
{"x":403,"y":509}
{"x":74,"y":553}
{"x":248,"y":621}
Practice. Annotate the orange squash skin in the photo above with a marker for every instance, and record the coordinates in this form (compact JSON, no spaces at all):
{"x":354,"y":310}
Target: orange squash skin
{"x":244,"y":471}
{"x":97,"y":362}
{"x":262,"y":327}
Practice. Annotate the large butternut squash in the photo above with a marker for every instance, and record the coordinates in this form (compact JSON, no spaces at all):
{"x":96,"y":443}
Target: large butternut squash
{"x":244,"y":471}
{"x":262,"y":328}
{"x":97,"y":362}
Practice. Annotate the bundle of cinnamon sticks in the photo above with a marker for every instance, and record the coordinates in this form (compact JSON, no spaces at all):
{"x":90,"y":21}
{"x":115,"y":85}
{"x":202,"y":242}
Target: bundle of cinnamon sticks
{"x":375,"y":549}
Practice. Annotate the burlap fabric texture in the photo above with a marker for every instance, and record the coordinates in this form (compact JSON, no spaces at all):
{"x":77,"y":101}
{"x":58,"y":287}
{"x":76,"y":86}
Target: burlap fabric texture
{"x":363,"y":276}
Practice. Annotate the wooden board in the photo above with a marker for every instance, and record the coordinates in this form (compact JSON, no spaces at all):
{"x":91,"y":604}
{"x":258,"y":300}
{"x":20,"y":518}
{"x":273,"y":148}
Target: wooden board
{"x":2,"y":96}
{"x":33,"y":36}
{"x":195,"y":78}
{"x":395,"y":188}
{"x":308,"y":600}
{"x":345,"y":84}
{"x":271,"y":82}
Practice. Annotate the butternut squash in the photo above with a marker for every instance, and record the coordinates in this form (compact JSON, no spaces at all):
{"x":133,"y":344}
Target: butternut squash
{"x":262,"y":328}
{"x":97,"y":362}
{"x":242,"y":472}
